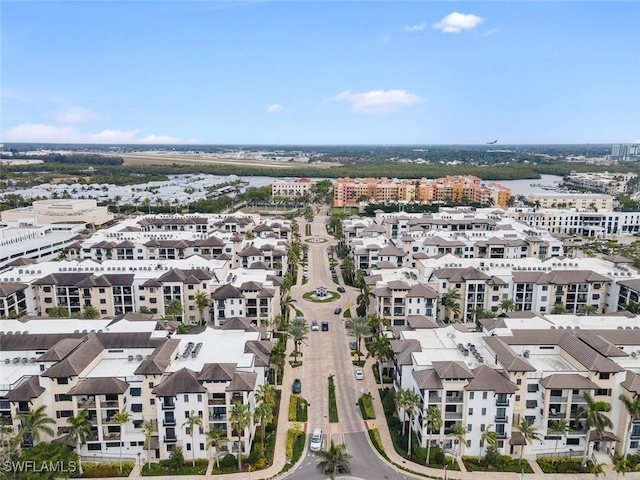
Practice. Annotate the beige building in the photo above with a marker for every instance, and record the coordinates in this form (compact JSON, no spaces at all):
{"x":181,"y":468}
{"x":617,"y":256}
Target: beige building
{"x":61,"y":211}
{"x":597,"y":201}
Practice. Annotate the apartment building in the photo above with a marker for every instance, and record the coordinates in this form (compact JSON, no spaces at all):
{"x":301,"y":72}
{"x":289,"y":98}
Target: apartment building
{"x":104,"y":366}
{"x":592,"y":201}
{"x":532,"y":367}
{"x":291,"y":188}
{"x":466,"y":189}
{"x":605,"y":182}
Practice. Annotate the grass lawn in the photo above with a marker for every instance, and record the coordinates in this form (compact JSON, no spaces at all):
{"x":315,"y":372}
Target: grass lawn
{"x":158,"y":469}
{"x":508,"y":464}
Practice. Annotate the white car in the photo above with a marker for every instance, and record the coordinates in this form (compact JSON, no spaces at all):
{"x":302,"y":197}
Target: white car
{"x":314,"y":326}
{"x":359,"y":374}
{"x":316,"y":440}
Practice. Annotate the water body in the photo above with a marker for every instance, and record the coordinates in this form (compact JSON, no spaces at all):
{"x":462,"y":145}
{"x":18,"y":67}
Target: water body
{"x":523,"y":187}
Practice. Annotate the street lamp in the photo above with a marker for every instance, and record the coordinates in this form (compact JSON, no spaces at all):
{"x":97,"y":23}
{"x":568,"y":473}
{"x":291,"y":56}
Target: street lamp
{"x":139,"y":464}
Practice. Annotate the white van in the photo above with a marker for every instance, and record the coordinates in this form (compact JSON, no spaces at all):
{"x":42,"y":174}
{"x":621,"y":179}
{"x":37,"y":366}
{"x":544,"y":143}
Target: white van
{"x":316,"y":440}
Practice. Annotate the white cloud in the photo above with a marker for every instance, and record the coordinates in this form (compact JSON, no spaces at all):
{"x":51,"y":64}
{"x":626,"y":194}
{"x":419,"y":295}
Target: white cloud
{"x":275,"y":107}
{"x":40,"y":133}
{"x":78,"y":115}
{"x":491,"y":32}
{"x":377,"y":101}
{"x":456,"y":22}
{"x":415,"y":28}
{"x":15,"y":95}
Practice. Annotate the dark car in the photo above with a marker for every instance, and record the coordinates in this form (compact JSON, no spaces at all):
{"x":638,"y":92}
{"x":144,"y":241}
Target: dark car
{"x":337,"y":310}
{"x":325,"y":326}
{"x":353,"y":346}
{"x":341,"y":289}
{"x":297,"y":386}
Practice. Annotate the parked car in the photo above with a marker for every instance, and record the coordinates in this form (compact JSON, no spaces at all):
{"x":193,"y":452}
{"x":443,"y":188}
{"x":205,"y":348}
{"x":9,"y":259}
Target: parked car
{"x":337,"y":310}
{"x":325,"y":326}
{"x":297,"y":386}
{"x":359,"y":374}
{"x":341,"y":289}
{"x":314,"y":326}
{"x":316,"y":440}
{"x":353,"y":346}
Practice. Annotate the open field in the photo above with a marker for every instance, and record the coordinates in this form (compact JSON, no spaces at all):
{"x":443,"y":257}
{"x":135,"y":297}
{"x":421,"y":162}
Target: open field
{"x":194,"y":159}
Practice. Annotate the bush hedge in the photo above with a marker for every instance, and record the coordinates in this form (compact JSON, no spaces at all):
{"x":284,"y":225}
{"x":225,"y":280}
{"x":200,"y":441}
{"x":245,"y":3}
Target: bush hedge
{"x":333,"y":406}
{"x":366,"y":407}
{"x":563,"y":465}
{"x":374,"y":436}
{"x":505,"y":464}
{"x":103,"y":470}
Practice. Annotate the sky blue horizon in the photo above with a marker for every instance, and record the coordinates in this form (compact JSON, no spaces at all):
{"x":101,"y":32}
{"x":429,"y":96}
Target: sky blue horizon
{"x":320,"y":72}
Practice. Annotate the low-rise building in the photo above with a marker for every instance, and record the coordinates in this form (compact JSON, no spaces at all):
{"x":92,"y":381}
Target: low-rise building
{"x":605,"y":182}
{"x":291,"y":188}
{"x":591,"y":201}
{"x":61,"y":211}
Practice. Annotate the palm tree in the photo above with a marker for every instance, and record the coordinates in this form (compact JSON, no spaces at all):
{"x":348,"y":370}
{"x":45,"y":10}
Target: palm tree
{"x":149,"y":427}
{"x":349,"y":267}
{"x":287,"y":304}
{"x":90,"y":312}
{"x":298,"y":330}
{"x":380,"y":349}
{"x":121,"y":418}
{"x":277,"y":358}
{"x":433,"y":421}
{"x":190,"y":424}
{"x":459,"y":433}
{"x":489,"y":437}
{"x":400,"y":400}
{"x":144,"y":309}
{"x":621,"y":466}
{"x":530,"y":433}
{"x":595,"y":419}
{"x":412,"y":402}
{"x":364,"y":299}
{"x":507,"y":305}
{"x":358,"y":327}
{"x":633,"y":410}
{"x":333,"y":460}
{"x":215,"y":437}
{"x":240,"y":418}
{"x":266,"y":393}
{"x":263,"y":414}
{"x":597,"y":469}
{"x":35,"y":423}
{"x":201,"y":300}
{"x":449,"y":300}
{"x":587,"y":310}
{"x":173,"y":309}
{"x":59,"y":311}
{"x":559,"y":427}
{"x":78,"y":428}
{"x":558,"y":309}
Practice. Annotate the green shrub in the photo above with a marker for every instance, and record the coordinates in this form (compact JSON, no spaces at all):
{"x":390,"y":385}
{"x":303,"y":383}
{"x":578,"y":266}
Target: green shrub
{"x":366,"y":407}
{"x":103,"y":470}
{"x":374,"y":435}
{"x":293,"y":405}
{"x":493,"y":456}
{"x":438,"y":456}
{"x":228,"y":460}
{"x":175,"y":460}
{"x":333,"y":406}
{"x":302,"y":410}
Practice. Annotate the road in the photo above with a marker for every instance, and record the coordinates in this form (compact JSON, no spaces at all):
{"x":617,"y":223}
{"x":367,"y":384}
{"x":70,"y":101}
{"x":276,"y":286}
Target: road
{"x":326,"y":353}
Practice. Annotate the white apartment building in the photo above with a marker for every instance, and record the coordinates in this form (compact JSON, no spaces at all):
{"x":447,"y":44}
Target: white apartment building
{"x":291,"y":188}
{"x":605,"y":182}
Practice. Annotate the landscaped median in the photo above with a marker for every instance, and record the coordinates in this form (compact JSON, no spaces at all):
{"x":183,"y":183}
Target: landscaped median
{"x":298,"y":409}
{"x":366,"y":407}
{"x":333,"y":406}
{"x":296,"y":440}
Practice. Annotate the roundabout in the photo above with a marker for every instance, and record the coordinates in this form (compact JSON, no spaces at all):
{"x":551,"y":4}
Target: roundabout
{"x":321,"y":295}
{"x":316,"y":239}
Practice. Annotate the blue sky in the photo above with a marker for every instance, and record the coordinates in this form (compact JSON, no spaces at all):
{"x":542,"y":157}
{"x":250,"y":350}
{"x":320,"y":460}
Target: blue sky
{"x":330,"y":72}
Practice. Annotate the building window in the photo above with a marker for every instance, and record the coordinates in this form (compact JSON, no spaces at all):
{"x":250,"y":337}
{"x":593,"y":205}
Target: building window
{"x":150,"y":384}
{"x":135,"y":392}
{"x":604,"y":375}
{"x":469,"y":427}
{"x":152,"y":401}
{"x":188,"y":446}
{"x":136,"y":407}
{"x":471,"y":395}
{"x":484,"y":395}
{"x":199,"y":397}
{"x":573,"y":441}
{"x":186,"y":399}
{"x":484,"y":411}
{"x":471,"y":411}
{"x":519,"y":381}
{"x":63,"y":381}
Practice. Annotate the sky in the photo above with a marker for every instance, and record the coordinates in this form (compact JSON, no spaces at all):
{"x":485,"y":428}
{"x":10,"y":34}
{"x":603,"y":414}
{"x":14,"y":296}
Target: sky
{"x":323,"y":72}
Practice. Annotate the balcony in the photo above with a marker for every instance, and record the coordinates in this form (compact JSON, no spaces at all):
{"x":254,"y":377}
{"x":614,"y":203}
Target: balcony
{"x":434,"y":398}
{"x":553,"y":399}
{"x":502,"y":419}
{"x":557,"y":414}
{"x":501,"y":435}
{"x":502,"y":402}
{"x":86,"y":403}
{"x":168,"y":406}
{"x":453,"y":415}
{"x":111,"y":436}
{"x":218,"y":418}
{"x":170,"y":439}
{"x":217,"y":401}
{"x":109,"y":404}
{"x":169,"y":422}
{"x":454,"y":398}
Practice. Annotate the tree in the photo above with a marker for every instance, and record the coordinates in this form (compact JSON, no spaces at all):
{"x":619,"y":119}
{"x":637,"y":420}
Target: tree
{"x":558,"y":427}
{"x":79,"y":429}
{"x":173,"y":309}
{"x":529,"y":431}
{"x":358,"y":327}
{"x":35,"y":423}
{"x":449,"y":300}
{"x":334,"y":460}
{"x":587,"y":310}
{"x":90,"y":312}
{"x":433,"y":421}
{"x":412,"y":400}
{"x":266,"y":393}
{"x":364,"y":299}
{"x":594,"y":419}
{"x":45,"y":453}
{"x":59,"y":311}
{"x":149,"y":427}
{"x":121,"y":418}
{"x":201,"y":300}
{"x":621,"y":466}
{"x":263,"y":414}
{"x":277,"y":358}
{"x":190,"y":424}
{"x":287,"y":304}
{"x":507,"y":305}
{"x":215,"y":437}
{"x":298,"y":330}
{"x":380,"y":349}
{"x":558,"y":309}
{"x":633,"y":410}
{"x":489,"y":437}
{"x":459,"y":433}
{"x":240,"y":418}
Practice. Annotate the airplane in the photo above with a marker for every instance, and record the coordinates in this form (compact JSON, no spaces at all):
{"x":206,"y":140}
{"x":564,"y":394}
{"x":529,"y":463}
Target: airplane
{"x":492,"y":143}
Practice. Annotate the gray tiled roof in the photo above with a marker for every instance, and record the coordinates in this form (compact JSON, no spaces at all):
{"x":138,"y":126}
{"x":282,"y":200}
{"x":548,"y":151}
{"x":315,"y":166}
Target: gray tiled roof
{"x":452,"y":370}
{"x":27,"y":391}
{"x":506,"y":356}
{"x":99,"y":386}
{"x":488,"y":379}
{"x":567,"y":381}
{"x":427,"y":379}
{"x":243,"y":382}
{"x":182,"y":381}
{"x":78,"y":360}
{"x":217,"y":372}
